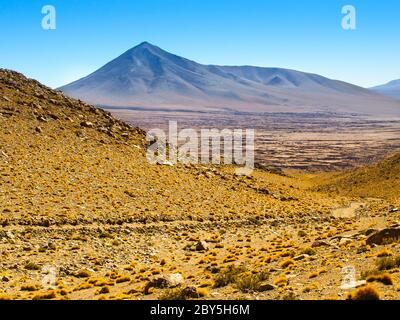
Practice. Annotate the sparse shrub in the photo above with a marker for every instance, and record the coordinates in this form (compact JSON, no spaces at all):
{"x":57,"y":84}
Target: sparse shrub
{"x":367,"y":273}
{"x":31,"y":266}
{"x":202,"y":292}
{"x":367,"y":292}
{"x":251,"y":282}
{"x":388,"y":263}
{"x":384,"y":253}
{"x":384,"y":278}
{"x":228,"y":275}
{"x":206,"y":284}
{"x":30,"y":287}
{"x":363,"y":248}
{"x":286,"y":263}
{"x":311,"y":287}
{"x":83,"y":274}
{"x":104,"y":290}
{"x":309,"y":251}
{"x":302,"y":233}
{"x":45,"y":296}
{"x":122,"y":279}
{"x":281,"y":281}
{"x":290,"y":296}
{"x":181,"y":294}
{"x":83,"y":286}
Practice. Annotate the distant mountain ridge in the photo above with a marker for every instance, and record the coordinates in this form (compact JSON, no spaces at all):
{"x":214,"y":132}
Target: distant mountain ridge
{"x":147,"y":76}
{"x":390,"y":89}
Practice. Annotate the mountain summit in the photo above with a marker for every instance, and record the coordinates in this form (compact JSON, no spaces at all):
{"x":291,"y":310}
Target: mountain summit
{"x":147,"y":76}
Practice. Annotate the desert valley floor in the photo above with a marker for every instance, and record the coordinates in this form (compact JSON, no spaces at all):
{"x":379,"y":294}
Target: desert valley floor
{"x":297,"y":141}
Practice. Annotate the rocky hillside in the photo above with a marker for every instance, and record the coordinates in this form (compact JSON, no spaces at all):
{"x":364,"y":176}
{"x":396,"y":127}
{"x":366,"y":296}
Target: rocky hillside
{"x":381,"y":180}
{"x":80,"y":204}
{"x":65,"y":162}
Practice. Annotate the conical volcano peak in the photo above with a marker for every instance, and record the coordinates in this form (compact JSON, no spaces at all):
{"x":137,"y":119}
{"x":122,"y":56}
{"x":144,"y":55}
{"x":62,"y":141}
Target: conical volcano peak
{"x":147,"y":76}
{"x":147,"y":47}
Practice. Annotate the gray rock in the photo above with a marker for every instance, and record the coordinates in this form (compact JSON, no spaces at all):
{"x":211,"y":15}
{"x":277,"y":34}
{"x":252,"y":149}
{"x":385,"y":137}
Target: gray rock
{"x":301,"y":257}
{"x":266,"y":287}
{"x":384,"y":236}
{"x":320,"y":243}
{"x":87,"y":124}
{"x":164,"y":281}
{"x":201,"y":246}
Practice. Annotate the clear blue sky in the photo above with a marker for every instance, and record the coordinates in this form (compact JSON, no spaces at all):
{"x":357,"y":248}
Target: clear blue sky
{"x":305,"y":35}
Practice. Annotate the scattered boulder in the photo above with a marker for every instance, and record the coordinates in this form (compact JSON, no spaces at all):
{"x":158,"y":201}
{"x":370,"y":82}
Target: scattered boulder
{"x":42,"y":119}
{"x":265,"y":286}
{"x":87,"y":124}
{"x":301,"y":257}
{"x":190,"y":292}
{"x":164,"y":281}
{"x":370,"y":231}
{"x":320,"y":243}
{"x":345,"y":241}
{"x":165,"y":163}
{"x":384,"y":236}
{"x":201,"y":246}
{"x":263,"y":191}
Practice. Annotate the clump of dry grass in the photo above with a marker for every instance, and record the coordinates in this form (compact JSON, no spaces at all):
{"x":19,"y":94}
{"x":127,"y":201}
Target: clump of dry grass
{"x":31,"y":287}
{"x":250,"y":282}
{"x":202,"y":292}
{"x":310,"y":251}
{"x":384,"y":278}
{"x":183,"y":293}
{"x":228,"y":275}
{"x":83,"y":274}
{"x":31,"y":266}
{"x":45,"y":296}
{"x":104,"y":290}
{"x":367,"y":292}
{"x":281,"y":281}
{"x":384,"y":253}
{"x":245,"y":280}
{"x":286,"y":263}
{"x":388,"y":263}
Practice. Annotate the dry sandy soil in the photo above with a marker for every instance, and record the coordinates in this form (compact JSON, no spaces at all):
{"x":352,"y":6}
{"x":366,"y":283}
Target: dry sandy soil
{"x":78,"y":198}
{"x":295,"y":141}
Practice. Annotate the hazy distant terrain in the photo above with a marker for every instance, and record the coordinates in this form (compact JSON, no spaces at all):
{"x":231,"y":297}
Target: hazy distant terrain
{"x":391,"y":89}
{"x":305,"y":141}
{"x":149,"y":77}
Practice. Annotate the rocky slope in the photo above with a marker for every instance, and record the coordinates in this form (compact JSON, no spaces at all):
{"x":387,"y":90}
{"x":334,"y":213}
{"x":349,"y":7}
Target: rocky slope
{"x":79,"y":201}
{"x":380,"y":180}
